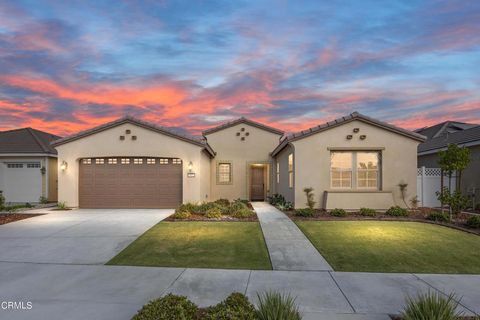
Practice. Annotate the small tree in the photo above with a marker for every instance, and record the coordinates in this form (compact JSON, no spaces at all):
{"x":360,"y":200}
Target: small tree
{"x":310,"y":197}
{"x":454,"y":159}
{"x":403,"y":192}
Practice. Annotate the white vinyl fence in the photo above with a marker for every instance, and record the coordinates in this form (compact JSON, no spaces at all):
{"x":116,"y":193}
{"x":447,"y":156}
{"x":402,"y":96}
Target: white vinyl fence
{"x":428,"y":183}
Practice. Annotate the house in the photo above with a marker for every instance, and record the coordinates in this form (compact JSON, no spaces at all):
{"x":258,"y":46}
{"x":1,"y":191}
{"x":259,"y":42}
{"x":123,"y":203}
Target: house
{"x":462,"y":134}
{"x":351,"y":162}
{"x":28,"y":166}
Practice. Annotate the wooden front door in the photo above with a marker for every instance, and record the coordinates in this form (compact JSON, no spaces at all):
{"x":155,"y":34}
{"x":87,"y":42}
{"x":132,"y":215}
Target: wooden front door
{"x":257,"y":184}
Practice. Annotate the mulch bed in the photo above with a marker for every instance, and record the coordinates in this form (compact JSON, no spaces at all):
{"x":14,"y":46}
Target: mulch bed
{"x":418,"y":215}
{"x":199,"y":217}
{"x":12,"y":217}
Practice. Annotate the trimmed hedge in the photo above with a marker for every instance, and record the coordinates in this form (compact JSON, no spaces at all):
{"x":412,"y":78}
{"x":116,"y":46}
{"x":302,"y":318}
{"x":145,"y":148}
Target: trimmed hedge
{"x":166,"y":308}
{"x":236,"y":306}
{"x":338,"y":212}
{"x":367,"y":212}
{"x":397,"y":211}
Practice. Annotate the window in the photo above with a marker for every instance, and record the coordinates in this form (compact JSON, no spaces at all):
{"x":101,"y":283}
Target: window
{"x":125,"y":161}
{"x":33,"y":165}
{"x":355,"y":170}
{"x":177,"y":161}
{"x":99,"y":161}
{"x":278,"y":172}
{"x":14,"y":165}
{"x":112,"y":161}
{"x":151,"y":161}
{"x":224,"y":173}
{"x":367,"y":170}
{"x":138,"y":161}
{"x":163,"y":161}
{"x":87,"y":161}
{"x":290,"y":170}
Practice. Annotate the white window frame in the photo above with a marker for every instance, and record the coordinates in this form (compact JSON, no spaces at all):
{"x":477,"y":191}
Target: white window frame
{"x":290,"y":170}
{"x":354,"y":177}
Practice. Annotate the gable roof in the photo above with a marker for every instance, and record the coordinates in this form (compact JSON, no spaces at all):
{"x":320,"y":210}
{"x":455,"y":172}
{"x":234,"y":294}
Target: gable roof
{"x":141,"y":123}
{"x":443,"y":128}
{"x":27,"y":141}
{"x":343,"y":120}
{"x":467,"y":137}
{"x":239,"y":121}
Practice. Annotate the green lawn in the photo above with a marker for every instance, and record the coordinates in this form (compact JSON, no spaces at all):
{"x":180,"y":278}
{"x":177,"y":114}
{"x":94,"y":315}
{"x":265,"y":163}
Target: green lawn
{"x":230,"y":245}
{"x":391,"y":246}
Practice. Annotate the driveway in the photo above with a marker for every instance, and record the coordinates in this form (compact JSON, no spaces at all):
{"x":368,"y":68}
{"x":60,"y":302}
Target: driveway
{"x":82,"y":236}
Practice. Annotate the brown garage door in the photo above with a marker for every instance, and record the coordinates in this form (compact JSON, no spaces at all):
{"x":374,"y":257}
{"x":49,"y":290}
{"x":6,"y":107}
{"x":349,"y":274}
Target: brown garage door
{"x":125,"y":182}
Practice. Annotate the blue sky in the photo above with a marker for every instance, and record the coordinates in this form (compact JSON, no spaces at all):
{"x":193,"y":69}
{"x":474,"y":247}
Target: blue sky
{"x":191,"y":64}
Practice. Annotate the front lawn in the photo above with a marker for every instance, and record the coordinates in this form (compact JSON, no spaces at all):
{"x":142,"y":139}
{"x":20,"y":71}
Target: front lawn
{"x":392,"y":246}
{"x":229,"y":245}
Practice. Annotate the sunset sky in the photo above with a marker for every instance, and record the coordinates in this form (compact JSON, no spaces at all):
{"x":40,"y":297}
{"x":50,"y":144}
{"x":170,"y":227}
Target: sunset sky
{"x":66,"y":66}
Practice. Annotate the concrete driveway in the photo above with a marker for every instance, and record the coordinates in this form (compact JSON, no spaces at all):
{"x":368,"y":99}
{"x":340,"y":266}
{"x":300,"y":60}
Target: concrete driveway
{"x":82,"y":236}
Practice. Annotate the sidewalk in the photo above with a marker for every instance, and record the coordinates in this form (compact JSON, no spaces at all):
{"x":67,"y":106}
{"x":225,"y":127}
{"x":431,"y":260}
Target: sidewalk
{"x":288,"y":247}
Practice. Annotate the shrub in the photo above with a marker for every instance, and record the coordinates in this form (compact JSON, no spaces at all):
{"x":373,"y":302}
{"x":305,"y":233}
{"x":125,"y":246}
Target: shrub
{"x":276,"y":199}
{"x":235,"y":307}
{"x":187,"y":207}
{"x":310,"y":197}
{"x":222,"y":202}
{"x":2,"y":200}
{"x":288,"y":206}
{"x":181,"y":214}
{"x":397,"y":211}
{"x":203,"y":207}
{"x":368,"y":212}
{"x":439,"y":216}
{"x":62,"y":205}
{"x":237,"y":206}
{"x":166,"y":308}
{"x":243,"y":213}
{"x":473,"y":222}
{"x":275,"y":306}
{"x":214,"y":213}
{"x":43,"y":200}
{"x":455,"y":200}
{"x":414,"y":201}
{"x":431,"y":306}
{"x":305,"y":212}
{"x":338,"y":212}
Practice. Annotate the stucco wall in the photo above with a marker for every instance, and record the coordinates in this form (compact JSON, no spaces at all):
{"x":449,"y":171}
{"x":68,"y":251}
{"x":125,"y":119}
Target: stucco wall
{"x":283,"y":187}
{"x":255,"y":148}
{"x":149,"y":143}
{"x":312,"y":160}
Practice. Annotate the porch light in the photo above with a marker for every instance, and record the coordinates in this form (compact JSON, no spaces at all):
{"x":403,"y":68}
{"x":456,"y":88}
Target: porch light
{"x":190,"y":166}
{"x":64,"y":165}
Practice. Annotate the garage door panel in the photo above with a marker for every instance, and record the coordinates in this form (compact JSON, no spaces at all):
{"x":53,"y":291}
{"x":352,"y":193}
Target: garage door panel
{"x":111,"y":185}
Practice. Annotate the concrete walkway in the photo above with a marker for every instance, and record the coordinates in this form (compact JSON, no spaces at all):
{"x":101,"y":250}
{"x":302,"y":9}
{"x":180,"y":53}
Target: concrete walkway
{"x":59,"y":291}
{"x":288,"y":247}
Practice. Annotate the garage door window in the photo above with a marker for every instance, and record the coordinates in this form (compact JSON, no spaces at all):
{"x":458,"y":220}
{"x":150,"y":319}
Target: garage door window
{"x":138,"y":161}
{"x":99,"y":161}
{"x":125,"y":161}
{"x":112,"y":161}
{"x":14,"y":165}
{"x":163,"y":161}
{"x":33,"y":165}
{"x":150,"y":161}
{"x":87,"y":161}
{"x":177,"y":161}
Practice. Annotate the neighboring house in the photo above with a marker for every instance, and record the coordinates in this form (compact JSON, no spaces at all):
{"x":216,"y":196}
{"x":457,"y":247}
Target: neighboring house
{"x":28,"y":165}
{"x":131,"y":163}
{"x":462,"y":134}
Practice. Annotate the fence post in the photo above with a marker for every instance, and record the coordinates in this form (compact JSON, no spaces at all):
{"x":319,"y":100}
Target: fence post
{"x":423,"y":186}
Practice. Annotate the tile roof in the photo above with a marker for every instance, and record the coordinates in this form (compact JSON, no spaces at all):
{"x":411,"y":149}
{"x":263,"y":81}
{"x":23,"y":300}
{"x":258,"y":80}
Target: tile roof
{"x":351,"y":117}
{"x":467,"y":136}
{"x":239,"y":121}
{"x":444,"y":128}
{"x":27,"y":141}
{"x":148,"y":125}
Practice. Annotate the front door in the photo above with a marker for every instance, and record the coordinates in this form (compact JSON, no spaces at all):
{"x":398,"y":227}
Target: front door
{"x":257,"y":186}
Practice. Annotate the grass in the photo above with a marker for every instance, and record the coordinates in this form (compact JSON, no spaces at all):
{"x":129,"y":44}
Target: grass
{"x":229,"y":245}
{"x":392,"y":246}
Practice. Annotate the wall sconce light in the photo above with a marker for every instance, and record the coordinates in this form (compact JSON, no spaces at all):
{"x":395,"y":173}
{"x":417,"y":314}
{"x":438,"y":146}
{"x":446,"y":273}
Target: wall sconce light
{"x":43,"y":170}
{"x":64,"y":165}
{"x":190,"y":166}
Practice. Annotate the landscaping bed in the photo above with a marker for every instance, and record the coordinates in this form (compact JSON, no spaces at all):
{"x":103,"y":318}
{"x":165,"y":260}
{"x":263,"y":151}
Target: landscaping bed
{"x":219,"y":210}
{"x":394,"y":246}
{"x":12,"y":217}
{"x":198,"y":244}
{"x":459,"y":221}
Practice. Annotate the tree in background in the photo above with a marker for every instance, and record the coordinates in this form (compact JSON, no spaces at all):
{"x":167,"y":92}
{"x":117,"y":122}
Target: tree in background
{"x":454,"y":159}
